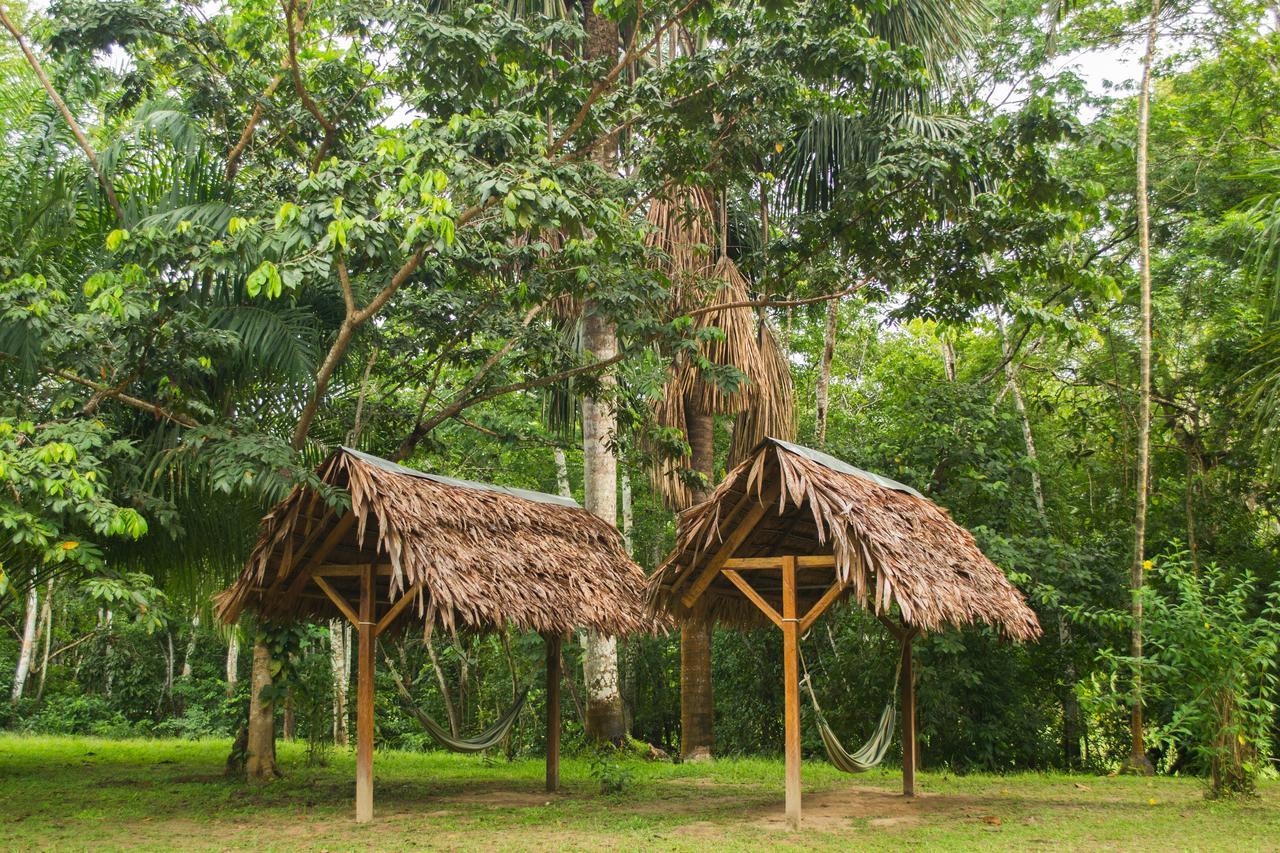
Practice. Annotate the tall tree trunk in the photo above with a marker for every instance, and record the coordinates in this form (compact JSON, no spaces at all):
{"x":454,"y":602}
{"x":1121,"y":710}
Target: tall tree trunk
{"x":823,"y":402}
{"x":627,"y":663}
{"x":1138,"y":761}
{"x":260,"y":752}
{"x":190,"y":652}
{"x":697,"y":695}
{"x":233,"y":661}
{"x":339,"y":634}
{"x":28,"y":646}
{"x":109,"y":664}
{"x":562,"y":474}
{"x":290,"y":726}
{"x":1194,"y":469}
{"x":450,"y":707}
{"x":170,"y":657}
{"x":628,"y":517}
{"x":605,"y":720}
{"x":46,"y":611}
{"x":948,"y":359}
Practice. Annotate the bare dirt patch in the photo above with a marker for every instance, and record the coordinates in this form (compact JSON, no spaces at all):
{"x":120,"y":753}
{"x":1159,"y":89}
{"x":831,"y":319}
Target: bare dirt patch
{"x":501,"y":799}
{"x":838,"y":808}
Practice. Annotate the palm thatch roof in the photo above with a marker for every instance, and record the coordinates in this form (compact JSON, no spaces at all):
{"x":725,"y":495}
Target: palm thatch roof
{"x":471,"y":555}
{"x":890,"y":544}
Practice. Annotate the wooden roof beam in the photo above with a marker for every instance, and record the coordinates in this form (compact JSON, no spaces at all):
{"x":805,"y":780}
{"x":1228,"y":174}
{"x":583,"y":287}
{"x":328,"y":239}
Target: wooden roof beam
{"x":749,"y":591}
{"x":400,"y":604}
{"x":817,"y":561}
{"x":338,"y":601}
{"x":735,"y":538}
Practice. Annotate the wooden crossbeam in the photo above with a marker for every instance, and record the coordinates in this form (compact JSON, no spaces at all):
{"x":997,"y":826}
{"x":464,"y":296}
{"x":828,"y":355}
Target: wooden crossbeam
{"x":294,"y":591}
{"x":286,"y":567}
{"x":337,"y":599}
{"x":736,"y":537}
{"x":756,"y":599}
{"x":396,"y":609}
{"x":821,"y":606}
{"x":330,"y":542}
{"x":898,"y":631}
{"x":287,"y":564}
{"x":815,"y":561}
{"x":349,"y":570}
{"x":750,"y":563}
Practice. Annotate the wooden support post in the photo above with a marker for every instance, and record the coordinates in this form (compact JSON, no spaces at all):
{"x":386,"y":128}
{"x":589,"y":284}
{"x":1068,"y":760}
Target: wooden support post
{"x":908,"y":719}
{"x":364,"y":701}
{"x":553,"y":711}
{"x":791,"y":675}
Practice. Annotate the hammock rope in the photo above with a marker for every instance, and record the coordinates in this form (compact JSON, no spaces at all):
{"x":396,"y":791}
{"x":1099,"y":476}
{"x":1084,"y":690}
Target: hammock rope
{"x":873,"y":752}
{"x":487,"y":739}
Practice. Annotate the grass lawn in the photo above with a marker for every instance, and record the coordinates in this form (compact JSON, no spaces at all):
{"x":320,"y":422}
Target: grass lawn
{"x":87,"y":793}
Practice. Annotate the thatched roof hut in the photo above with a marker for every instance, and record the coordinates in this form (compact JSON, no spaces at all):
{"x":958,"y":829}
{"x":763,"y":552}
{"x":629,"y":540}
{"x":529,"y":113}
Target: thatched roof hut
{"x":791,"y":531}
{"x":472,"y":555}
{"x":417,"y":546}
{"x":891,"y":545}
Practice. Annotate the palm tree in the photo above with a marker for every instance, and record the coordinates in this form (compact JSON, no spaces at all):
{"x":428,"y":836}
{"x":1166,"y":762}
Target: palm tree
{"x":760,"y":398}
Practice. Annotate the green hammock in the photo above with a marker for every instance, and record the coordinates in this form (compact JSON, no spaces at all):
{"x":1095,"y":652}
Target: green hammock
{"x":487,"y":739}
{"x":874,"y":750}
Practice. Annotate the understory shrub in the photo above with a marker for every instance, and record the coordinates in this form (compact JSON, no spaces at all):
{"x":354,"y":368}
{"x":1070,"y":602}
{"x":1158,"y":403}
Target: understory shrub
{"x":82,"y":715}
{"x":1212,"y":636}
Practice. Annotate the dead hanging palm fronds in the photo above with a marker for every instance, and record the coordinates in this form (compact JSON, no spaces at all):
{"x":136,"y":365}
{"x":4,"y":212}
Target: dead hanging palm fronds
{"x":666,"y":472}
{"x":681,"y":231}
{"x":735,"y":346}
{"x":772,"y":413}
{"x":681,"y":235}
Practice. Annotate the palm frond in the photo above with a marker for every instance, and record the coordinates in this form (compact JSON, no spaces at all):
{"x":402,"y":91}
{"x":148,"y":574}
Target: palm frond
{"x":772,"y":413}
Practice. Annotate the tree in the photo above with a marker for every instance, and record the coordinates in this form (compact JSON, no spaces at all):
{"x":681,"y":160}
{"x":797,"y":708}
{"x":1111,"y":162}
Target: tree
{"x":605,"y":721}
{"x":1138,"y":761}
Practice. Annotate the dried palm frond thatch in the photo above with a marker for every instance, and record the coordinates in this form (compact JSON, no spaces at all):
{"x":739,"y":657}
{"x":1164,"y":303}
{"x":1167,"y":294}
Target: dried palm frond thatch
{"x":681,"y":229}
{"x":891,"y":546}
{"x":667,"y":473}
{"x":772,"y":413}
{"x":736,"y":346}
{"x":473,"y":555}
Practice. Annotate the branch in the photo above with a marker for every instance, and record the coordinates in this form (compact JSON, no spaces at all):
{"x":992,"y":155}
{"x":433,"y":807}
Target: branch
{"x":128,"y":400}
{"x":330,"y":129}
{"x":76,"y":130}
{"x":454,"y":408}
{"x":233,"y":158}
{"x":606,"y":82}
{"x":71,"y":645}
{"x":460,"y":400}
{"x":296,"y":73}
{"x":1007,"y":356}
{"x":348,"y":295}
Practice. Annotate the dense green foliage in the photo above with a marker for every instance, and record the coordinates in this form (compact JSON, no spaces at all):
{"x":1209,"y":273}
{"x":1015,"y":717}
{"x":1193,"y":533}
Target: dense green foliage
{"x":378,"y":224}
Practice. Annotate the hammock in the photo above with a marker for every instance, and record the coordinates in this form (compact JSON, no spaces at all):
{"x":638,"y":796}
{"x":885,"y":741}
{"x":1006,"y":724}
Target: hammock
{"x":874,"y":750}
{"x":487,"y":739}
